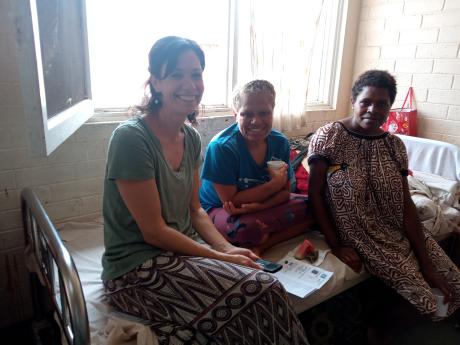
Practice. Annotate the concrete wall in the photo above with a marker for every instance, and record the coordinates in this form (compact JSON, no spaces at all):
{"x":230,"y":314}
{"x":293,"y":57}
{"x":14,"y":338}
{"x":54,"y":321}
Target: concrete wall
{"x":418,"y":41}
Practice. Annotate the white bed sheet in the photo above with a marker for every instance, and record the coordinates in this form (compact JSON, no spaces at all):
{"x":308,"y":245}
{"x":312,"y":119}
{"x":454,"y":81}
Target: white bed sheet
{"x":85,"y":242}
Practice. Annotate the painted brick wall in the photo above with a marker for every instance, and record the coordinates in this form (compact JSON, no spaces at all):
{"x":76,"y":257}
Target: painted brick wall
{"x":13,"y":285}
{"x":68,"y":182}
{"x":418,"y":41}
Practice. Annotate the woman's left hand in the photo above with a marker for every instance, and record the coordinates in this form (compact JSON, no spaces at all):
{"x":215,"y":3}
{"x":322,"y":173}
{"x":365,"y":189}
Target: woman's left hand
{"x":436,"y":280}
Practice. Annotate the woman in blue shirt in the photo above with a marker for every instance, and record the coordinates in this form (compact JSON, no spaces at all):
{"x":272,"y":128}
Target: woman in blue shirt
{"x":250,"y":204}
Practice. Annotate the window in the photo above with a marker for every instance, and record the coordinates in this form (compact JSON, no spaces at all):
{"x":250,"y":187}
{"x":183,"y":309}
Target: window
{"x":241,"y":39}
{"x":121,"y":33}
{"x":54,"y":70}
{"x":325,"y":54}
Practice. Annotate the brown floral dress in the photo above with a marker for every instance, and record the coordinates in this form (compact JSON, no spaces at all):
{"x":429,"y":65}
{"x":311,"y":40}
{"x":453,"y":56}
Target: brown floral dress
{"x":365,"y":195}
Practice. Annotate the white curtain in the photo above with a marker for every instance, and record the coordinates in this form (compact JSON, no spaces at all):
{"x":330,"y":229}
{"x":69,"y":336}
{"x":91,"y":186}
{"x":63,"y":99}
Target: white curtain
{"x":282,"y":35}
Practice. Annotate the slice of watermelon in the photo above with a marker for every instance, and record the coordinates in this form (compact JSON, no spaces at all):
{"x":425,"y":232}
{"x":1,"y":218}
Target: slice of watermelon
{"x":304,"y":250}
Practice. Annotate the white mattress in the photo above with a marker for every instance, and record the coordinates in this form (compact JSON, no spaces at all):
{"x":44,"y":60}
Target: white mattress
{"x":84,"y":241}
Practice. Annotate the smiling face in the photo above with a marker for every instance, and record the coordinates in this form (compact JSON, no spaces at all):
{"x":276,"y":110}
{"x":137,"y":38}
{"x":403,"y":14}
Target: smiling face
{"x":370,"y":110}
{"x":183,"y":88}
{"x":255,"y":116}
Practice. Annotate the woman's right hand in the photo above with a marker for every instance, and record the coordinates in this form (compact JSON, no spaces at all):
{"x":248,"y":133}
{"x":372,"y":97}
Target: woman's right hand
{"x":436,"y":280}
{"x":239,"y":259}
{"x":349,"y":256}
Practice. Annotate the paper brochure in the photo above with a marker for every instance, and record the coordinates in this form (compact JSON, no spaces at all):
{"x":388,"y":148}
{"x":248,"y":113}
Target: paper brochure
{"x":301,"y":278}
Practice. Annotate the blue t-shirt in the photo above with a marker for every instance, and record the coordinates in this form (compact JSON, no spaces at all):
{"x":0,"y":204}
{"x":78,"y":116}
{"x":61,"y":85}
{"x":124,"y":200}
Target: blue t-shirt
{"x":229,"y":162}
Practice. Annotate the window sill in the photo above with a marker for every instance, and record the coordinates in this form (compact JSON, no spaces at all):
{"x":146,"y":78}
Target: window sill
{"x":119,"y":115}
{"x":319,"y":107}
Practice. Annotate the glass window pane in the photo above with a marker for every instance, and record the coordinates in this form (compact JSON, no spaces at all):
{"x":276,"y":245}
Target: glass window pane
{"x":121,"y":33}
{"x":62,"y":47}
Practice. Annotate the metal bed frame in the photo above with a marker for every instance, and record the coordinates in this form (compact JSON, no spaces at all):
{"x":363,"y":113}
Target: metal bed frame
{"x":57,"y":270}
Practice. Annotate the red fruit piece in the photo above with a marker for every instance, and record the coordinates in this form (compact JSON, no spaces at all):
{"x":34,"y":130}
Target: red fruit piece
{"x":304,"y":249}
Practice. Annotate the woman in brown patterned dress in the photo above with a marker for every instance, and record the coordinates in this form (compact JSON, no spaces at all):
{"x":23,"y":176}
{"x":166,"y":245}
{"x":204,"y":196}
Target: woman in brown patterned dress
{"x":360,"y":198}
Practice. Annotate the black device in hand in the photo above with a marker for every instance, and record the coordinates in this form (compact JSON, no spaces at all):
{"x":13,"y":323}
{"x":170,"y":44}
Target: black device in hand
{"x":269,"y":266}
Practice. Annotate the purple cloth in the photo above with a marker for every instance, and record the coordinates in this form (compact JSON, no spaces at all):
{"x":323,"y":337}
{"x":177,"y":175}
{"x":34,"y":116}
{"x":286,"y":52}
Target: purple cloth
{"x":249,"y":229}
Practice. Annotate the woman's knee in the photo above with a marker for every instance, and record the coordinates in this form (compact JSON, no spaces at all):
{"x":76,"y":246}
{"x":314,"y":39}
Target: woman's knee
{"x":243,"y":230}
{"x":248,"y":234}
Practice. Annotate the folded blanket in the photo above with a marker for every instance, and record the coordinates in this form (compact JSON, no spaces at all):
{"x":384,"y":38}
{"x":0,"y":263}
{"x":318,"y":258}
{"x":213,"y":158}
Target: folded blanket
{"x":445,"y":191}
{"x":434,"y":204}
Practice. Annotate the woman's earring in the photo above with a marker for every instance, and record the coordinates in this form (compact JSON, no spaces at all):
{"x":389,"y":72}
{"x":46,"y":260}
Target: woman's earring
{"x":192,"y":118}
{"x":157,"y":99}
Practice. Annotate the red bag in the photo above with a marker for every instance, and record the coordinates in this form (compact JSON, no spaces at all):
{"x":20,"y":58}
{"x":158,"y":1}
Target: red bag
{"x":402,"y":120}
{"x":301,"y":175}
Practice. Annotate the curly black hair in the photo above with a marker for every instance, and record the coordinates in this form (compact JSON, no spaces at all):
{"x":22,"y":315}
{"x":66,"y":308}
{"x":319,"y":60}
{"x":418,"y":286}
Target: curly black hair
{"x":376,"y":78}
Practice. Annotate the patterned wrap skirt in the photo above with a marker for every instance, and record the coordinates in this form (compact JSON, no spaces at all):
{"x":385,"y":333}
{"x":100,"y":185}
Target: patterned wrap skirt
{"x":196,"y":300}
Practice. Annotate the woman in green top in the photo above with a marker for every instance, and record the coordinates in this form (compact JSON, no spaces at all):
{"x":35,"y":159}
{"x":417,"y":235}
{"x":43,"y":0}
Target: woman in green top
{"x":154,"y":264}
